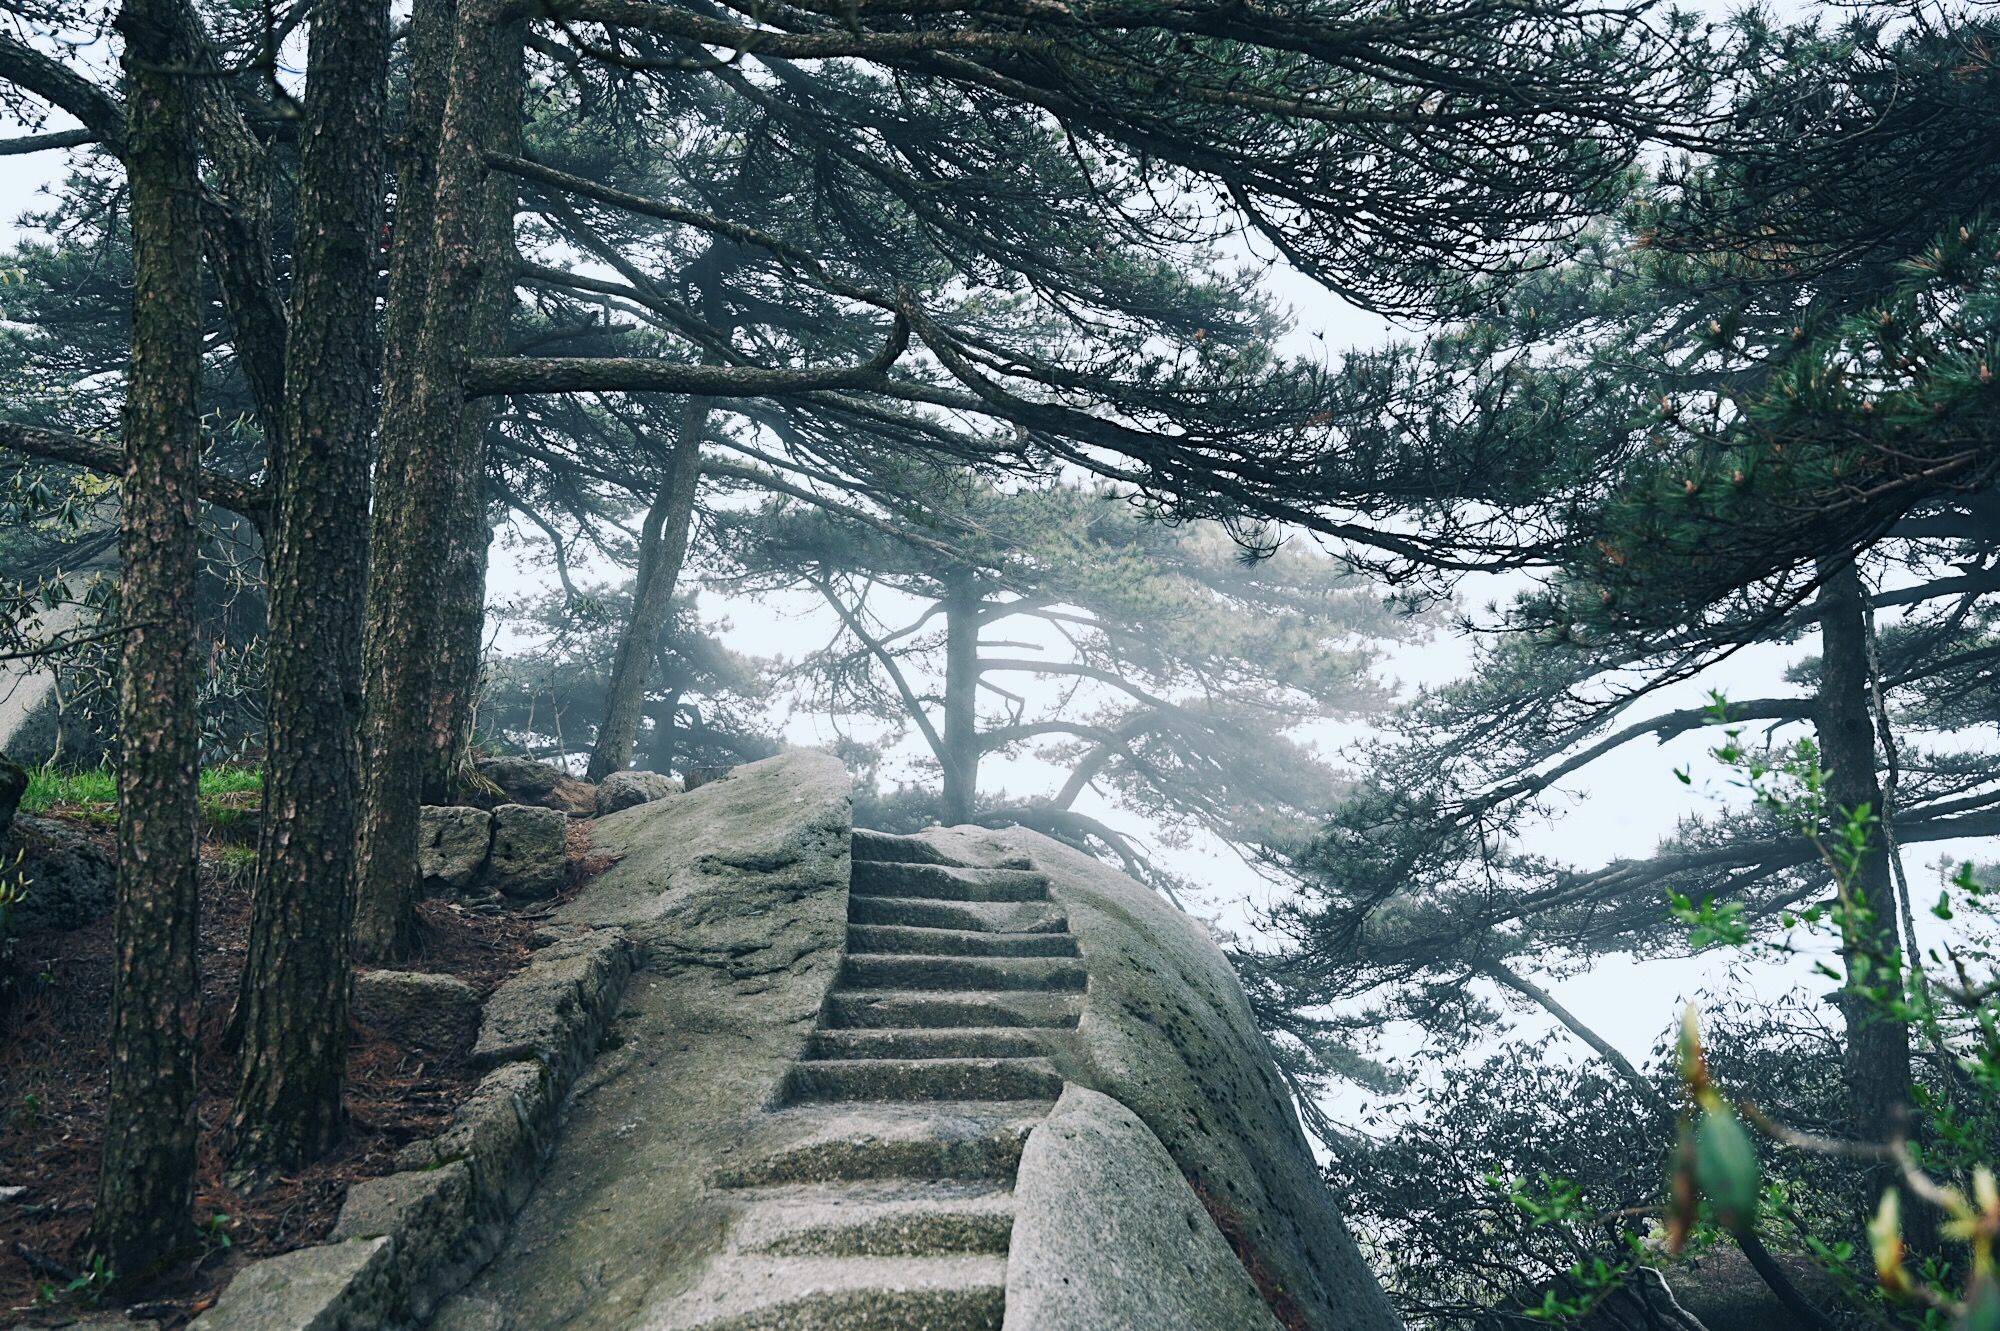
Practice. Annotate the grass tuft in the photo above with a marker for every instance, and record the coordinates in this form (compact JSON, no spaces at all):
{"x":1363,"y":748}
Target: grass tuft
{"x":92,"y":795}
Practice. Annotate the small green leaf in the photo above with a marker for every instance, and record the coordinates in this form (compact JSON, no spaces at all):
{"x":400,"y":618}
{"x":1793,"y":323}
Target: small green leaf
{"x":1725,"y":1165}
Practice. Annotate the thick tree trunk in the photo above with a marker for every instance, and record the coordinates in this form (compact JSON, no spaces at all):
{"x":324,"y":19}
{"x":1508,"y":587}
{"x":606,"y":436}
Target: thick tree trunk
{"x":1878,"y":1045}
{"x":663,"y":542}
{"x":145,"y":1187}
{"x":461,"y":643}
{"x":961,"y":696}
{"x":464,"y":535}
{"x":293,"y":1018}
{"x":428,"y":446}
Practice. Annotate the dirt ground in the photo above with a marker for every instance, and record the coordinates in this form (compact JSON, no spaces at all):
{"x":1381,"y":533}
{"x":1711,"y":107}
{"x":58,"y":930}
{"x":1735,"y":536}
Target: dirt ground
{"x":53,"y":1057}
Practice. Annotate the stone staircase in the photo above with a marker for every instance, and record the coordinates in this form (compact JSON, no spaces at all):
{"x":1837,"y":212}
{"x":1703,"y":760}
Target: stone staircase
{"x":878,"y":1193}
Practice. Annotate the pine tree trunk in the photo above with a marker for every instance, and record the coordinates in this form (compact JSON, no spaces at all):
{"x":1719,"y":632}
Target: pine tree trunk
{"x":145,"y":1187}
{"x":1877,"y":1053}
{"x":961,"y":696}
{"x":662,"y":551}
{"x":461,"y":626}
{"x":461,"y":642}
{"x":293,"y":1018}
{"x":429,"y":447}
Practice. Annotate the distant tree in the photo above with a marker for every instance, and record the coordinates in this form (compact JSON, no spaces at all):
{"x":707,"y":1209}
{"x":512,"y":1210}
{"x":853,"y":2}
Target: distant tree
{"x":705,"y":706}
{"x":1154,"y":662}
{"x":1525,"y":1187}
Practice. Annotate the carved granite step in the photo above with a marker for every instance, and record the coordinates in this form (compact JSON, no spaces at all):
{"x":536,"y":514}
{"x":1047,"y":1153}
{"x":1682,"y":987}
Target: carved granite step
{"x":933,"y":1042}
{"x":892,"y":1219}
{"x":933,"y":1009}
{"x":909,"y":939}
{"x":887,"y":847}
{"x":829,"y":1143}
{"x":919,"y":1079}
{"x":1046,"y":974}
{"x":1039,"y":917}
{"x":949,"y":883}
{"x":765,"y":1293}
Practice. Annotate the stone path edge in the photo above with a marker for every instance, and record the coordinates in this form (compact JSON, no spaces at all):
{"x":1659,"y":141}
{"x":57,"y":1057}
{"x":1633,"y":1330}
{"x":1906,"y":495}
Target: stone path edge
{"x":405,"y":1241}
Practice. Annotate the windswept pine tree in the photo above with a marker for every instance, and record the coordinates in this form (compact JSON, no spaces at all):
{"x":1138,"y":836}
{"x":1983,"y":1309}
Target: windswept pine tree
{"x":1533,"y":120}
{"x":1757,"y":411}
{"x":1185,"y":674}
{"x":145,"y":1191}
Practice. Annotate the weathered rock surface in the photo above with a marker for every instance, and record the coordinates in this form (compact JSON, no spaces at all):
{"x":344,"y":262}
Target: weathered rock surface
{"x":623,"y":790}
{"x":436,"y":1013}
{"x":1108,"y":1236}
{"x":525,"y":781}
{"x":736,"y":895}
{"x":423,"y":1211}
{"x":70,"y":882}
{"x":562,"y":987}
{"x":329,"y":1287}
{"x":1019,"y":1096}
{"x":34,"y":727}
{"x":453,"y":846}
{"x":702,"y":776}
{"x":13,"y":785}
{"x":529,"y":859}
{"x":1167,"y":1031}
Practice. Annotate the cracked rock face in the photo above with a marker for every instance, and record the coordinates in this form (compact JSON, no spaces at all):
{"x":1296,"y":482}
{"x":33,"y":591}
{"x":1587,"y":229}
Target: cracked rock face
{"x":529,"y":860}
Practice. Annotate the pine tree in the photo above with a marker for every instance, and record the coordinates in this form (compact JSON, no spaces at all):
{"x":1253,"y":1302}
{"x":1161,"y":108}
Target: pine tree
{"x":1152,"y":662}
{"x":145,"y":1193}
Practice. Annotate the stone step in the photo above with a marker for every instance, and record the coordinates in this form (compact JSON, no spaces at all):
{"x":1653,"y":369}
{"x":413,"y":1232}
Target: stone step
{"x":906,"y":1079}
{"x":907,"y":939}
{"x":894,"y":1219}
{"x":1020,"y":917}
{"x":889,"y":848}
{"x":860,"y":1142}
{"x":918,"y":1042}
{"x":1043,"y":974}
{"x":931,"y":1009}
{"x":762,"y":1293}
{"x":947,"y":883}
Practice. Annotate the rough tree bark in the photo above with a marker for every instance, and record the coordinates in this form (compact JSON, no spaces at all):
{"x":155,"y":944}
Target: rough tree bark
{"x":293,"y":1006}
{"x":428,"y":449}
{"x":462,"y":597}
{"x":1878,"y":1046}
{"x":961,"y":695}
{"x":145,"y":1187}
{"x":461,"y":640}
{"x":663,"y":542}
